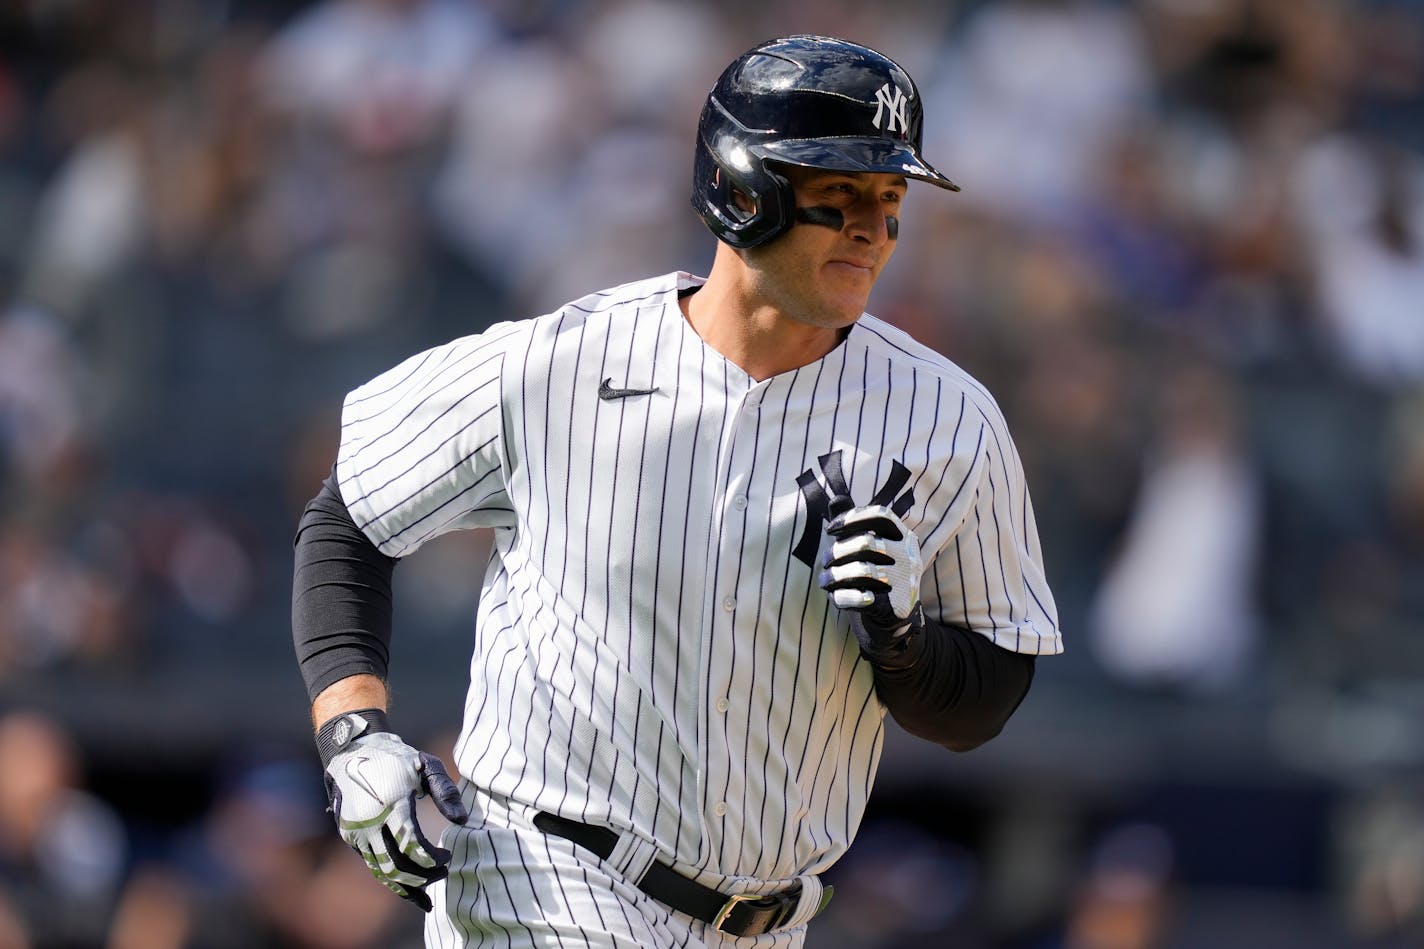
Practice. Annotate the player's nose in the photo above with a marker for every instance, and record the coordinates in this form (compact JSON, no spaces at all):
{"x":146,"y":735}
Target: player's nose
{"x":868,"y":221}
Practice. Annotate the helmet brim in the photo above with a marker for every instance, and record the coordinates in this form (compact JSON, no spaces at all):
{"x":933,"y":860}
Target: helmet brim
{"x":869,"y":155}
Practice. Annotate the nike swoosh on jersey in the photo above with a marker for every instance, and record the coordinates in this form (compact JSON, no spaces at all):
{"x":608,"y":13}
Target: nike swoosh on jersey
{"x":607,"y":393}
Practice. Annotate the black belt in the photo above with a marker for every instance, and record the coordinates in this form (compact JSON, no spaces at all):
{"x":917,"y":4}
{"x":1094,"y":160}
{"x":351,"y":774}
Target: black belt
{"x":740,"y":914}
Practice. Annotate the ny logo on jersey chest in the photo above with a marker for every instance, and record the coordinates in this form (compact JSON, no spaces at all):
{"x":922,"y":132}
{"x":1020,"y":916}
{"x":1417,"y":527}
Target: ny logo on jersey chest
{"x":825,"y":500}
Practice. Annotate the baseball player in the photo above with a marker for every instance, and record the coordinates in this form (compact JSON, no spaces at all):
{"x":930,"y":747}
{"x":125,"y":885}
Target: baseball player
{"x":737,"y":520}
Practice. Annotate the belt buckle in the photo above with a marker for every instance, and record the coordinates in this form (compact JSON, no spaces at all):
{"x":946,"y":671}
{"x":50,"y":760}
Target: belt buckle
{"x":730,"y":905}
{"x":784,"y":903}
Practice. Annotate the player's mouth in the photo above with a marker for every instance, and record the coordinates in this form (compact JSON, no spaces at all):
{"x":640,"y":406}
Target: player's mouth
{"x":853,"y":266}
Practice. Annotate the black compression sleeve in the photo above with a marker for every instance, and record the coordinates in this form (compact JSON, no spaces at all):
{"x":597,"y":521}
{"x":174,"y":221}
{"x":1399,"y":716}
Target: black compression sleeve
{"x":953,"y":686}
{"x":341,"y":595}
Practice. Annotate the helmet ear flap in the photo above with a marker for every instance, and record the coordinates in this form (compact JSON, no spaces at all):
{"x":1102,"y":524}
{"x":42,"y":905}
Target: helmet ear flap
{"x":744,"y":206}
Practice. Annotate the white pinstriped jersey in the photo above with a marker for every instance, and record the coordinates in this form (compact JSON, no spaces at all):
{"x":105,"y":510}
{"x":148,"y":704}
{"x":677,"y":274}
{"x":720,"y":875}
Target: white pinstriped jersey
{"x":650,"y":652}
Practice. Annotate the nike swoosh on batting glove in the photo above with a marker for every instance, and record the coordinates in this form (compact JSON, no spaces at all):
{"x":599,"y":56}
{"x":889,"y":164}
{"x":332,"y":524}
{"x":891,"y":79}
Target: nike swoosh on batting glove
{"x":373,"y":782}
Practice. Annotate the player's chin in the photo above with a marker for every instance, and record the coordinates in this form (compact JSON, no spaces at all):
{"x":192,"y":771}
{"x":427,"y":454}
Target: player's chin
{"x":843,"y":309}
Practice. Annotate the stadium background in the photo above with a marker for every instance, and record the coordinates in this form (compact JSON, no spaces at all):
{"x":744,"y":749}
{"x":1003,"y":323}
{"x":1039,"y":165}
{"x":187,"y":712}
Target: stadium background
{"x":1189,"y":260}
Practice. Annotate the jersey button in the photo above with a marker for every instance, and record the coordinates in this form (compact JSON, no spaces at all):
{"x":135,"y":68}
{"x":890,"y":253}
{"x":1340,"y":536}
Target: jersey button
{"x":721,"y":809}
{"x":722,"y":706}
{"x":739,"y":502}
{"x":729,"y":604}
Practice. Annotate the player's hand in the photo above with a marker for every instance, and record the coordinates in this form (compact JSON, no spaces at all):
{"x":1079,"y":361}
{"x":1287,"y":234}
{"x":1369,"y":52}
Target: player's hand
{"x":373,"y":784}
{"x":871,"y":564}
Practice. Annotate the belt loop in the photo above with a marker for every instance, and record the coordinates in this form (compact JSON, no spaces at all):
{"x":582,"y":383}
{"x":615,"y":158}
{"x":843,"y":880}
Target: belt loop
{"x":814,"y":897}
{"x":632,"y":856}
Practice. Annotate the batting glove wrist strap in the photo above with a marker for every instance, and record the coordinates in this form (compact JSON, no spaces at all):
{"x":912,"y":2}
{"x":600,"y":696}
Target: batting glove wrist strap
{"x":337,"y":733}
{"x":888,"y":641}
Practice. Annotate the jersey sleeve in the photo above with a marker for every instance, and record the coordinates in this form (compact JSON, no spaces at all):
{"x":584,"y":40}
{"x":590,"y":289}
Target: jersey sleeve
{"x":987,"y":573}
{"x":422,"y":445}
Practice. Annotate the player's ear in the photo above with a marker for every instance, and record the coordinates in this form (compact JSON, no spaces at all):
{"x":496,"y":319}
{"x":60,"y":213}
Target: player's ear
{"x":743,"y":201}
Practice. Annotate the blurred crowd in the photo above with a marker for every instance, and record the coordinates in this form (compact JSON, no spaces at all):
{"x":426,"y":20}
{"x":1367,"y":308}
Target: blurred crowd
{"x":1188,"y":259}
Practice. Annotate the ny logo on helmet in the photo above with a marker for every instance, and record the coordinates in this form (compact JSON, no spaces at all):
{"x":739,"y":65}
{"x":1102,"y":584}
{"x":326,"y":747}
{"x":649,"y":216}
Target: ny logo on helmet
{"x":890,"y":102}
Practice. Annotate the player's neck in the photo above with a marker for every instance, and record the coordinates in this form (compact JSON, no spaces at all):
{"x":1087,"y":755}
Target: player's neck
{"x":752,"y":333}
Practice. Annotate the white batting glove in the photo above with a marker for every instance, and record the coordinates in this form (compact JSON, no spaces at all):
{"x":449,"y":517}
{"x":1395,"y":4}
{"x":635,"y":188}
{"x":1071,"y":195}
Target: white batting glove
{"x":373,"y":779}
{"x":871,"y":564}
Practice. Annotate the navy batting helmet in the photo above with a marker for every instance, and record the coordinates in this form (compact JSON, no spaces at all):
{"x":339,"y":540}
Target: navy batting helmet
{"x":814,"y":101}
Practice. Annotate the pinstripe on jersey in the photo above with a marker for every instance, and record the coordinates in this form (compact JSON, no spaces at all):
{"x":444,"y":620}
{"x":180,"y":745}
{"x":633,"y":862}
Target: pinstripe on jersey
{"x":649,"y":654}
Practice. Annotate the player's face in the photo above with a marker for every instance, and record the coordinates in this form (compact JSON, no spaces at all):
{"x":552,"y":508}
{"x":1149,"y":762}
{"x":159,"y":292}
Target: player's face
{"x":822,"y":275}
